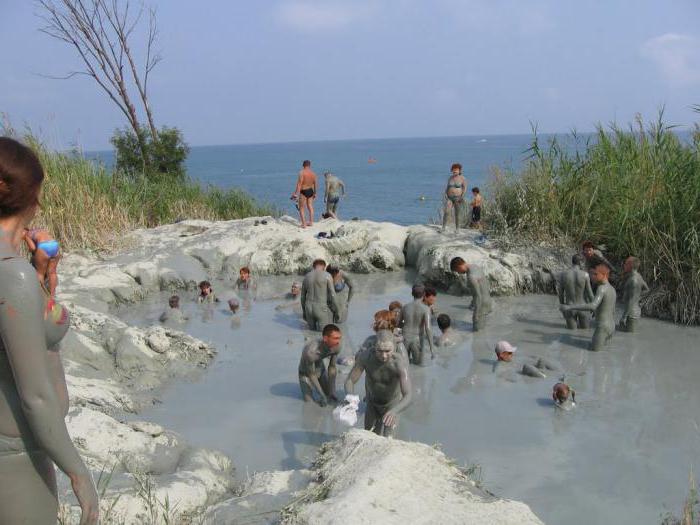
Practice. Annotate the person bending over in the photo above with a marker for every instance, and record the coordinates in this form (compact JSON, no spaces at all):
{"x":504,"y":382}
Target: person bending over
{"x":45,"y":252}
{"x":342,"y":283}
{"x":387,"y":383}
{"x":479,"y":287}
{"x":415,"y":325}
{"x":334,"y":189}
{"x":312,"y":370}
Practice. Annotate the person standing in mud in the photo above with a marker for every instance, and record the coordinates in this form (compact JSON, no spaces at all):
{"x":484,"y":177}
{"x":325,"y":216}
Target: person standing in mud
{"x":342,"y":284}
{"x":387,"y":383}
{"x":454,"y":196}
{"x":334,"y":189}
{"x":603,"y":305}
{"x":415,"y":324}
{"x":33,"y":393}
{"x":479,"y":287}
{"x":312,"y":370}
{"x":318,"y":301}
{"x":632,"y":288}
{"x":173,"y":314}
{"x":305,"y":192}
{"x":575,"y":288}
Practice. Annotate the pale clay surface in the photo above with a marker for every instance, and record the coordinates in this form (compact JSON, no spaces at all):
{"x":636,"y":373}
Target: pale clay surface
{"x":113,"y":369}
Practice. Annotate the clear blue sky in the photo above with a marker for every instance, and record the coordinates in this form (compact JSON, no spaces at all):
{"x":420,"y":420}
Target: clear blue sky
{"x":286,"y":70}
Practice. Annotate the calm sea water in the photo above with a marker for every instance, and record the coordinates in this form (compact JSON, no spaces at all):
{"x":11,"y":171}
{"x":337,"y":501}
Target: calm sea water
{"x":404,"y":185}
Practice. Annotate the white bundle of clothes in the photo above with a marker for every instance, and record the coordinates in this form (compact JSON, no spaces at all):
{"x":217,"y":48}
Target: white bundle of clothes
{"x":346,"y":412}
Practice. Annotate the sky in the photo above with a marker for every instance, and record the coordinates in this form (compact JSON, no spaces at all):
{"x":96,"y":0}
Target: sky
{"x":236,"y":71}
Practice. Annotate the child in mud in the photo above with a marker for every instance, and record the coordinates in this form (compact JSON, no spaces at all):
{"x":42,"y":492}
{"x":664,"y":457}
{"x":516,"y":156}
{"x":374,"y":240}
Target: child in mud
{"x":563,"y":395}
{"x":312,"y":371}
{"x":448,"y":336}
{"x":173,"y":313}
{"x":429,"y":300}
{"x":206,"y":294}
{"x":245,"y":282}
{"x":45,"y":255}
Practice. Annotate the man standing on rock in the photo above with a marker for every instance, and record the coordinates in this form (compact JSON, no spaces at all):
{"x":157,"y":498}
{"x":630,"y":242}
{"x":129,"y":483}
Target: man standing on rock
{"x":480,"y":290}
{"x":318,"y":302}
{"x":387,"y":383}
{"x":335,"y":188}
{"x":575,"y":288}
{"x":305,"y":192}
{"x":603,"y":305}
{"x":632,"y":288}
{"x":312,"y":371}
{"x":415,"y":322}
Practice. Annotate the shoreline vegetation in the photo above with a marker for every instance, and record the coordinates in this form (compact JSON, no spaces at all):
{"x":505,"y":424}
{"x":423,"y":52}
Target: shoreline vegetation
{"x":86,"y":206}
{"x":634,"y":191}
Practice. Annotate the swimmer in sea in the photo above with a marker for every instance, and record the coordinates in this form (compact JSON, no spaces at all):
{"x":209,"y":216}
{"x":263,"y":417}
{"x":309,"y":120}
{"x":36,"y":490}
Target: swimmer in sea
{"x":305,"y":191}
{"x":342,"y":283}
{"x":312,"y":370}
{"x":632,"y":288}
{"x":206,"y":294}
{"x":387,"y":384}
{"x":334,"y":189}
{"x":173,"y":313}
{"x":476,"y":204}
{"x":454,"y":196}
{"x":45,"y":252}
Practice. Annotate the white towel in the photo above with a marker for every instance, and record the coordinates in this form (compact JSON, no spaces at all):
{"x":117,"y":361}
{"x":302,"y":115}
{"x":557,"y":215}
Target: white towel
{"x":346,"y":412}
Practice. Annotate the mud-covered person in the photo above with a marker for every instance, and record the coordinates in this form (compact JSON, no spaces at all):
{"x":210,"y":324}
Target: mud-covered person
{"x":387,"y":383}
{"x":415,"y":326}
{"x":291,"y":298}
{"x":479,"y":288}
{"x":633,"y":286}
{"x":574,"y":287}
{"x":319,"y":304}
{"x":430,"y":300}
{"x":245,"y":281}
{"x":206,"y":293}
{"x":313,"y":375}
{"x":33,"y":393}
{"x":448,"y":335}
{"x":173,"y":314}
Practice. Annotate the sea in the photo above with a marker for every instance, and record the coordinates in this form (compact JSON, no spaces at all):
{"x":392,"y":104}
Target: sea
{"x":397,"y":180}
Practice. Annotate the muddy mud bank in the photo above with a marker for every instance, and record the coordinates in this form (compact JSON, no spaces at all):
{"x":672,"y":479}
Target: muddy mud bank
{"x":113,"y":370}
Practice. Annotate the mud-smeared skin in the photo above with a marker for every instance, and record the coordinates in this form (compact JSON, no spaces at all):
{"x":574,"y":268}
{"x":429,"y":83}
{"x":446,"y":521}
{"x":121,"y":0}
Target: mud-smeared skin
{"x":575,"y":288}
{"x":603,"y":305}
{"x":415,"y":324}
{"x":33,"y":400}
{"x":387,"y":383}
{"x":450,"y":337}
{"x":632,"y":289}
{"x":532,"y":371}
{"x":454,"y":198}
{"x":334,"y":189}
{"x":318,"y":301}
{"x":313,"y":374}
{"x":481,"y":296}
{"x":173,"y":315}
{"x":343,"y":297}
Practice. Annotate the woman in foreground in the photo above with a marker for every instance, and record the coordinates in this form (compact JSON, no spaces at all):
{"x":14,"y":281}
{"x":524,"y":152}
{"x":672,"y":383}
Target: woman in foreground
{"x":33,"y":394}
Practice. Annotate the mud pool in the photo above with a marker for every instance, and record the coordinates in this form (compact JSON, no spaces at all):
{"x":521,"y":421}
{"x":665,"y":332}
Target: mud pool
{"x":623,"y":455}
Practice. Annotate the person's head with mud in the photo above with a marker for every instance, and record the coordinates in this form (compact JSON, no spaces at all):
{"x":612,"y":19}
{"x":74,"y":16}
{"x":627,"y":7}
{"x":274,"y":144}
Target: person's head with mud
{"x":33,"y":393}
{"x":504,"y":351}
{"x":295,"y":291}
{"x":174,"y":301}
{"x":459,"y":265}
{"x":577,"y":260}
{"x":561,"y":393}
{"x":384,"y":320}
{"x":429,"y":296}
{"x":600,"y":273}
{"x":332,"y":336}
{"x":385,"y":346}
{"x":631,"y":264}
{"x":204,"y":288}
{"x":418,"y":291}
{"x":444,"y":322}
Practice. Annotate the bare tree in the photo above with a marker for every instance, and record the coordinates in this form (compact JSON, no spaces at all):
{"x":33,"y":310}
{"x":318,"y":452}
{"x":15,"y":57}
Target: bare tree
{"x":100,"y":32}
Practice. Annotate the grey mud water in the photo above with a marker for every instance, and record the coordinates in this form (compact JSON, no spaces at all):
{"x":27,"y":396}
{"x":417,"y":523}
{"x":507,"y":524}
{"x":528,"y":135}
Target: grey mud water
{"x":621,"y":456}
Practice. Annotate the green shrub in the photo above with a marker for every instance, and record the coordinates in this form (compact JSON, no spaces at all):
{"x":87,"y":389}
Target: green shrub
{"x":164,"y":157}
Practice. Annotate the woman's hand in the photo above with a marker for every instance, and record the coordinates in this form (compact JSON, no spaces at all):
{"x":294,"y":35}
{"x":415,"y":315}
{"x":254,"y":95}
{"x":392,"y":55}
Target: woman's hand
{"x":84,"y":490}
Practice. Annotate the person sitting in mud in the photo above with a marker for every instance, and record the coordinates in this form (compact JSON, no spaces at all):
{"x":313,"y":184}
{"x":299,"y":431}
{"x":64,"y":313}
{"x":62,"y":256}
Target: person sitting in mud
{"x":291,"y":297}
{"x":633,"y":286}
{"x":563,"y":395}
{"x":385,"y":320}
{"x":603,"y":305}
{"x":312,"y":370}
{"x":319,"y":304}
{"x":305,"y":192}
{"x":45,"y":253}
{"x":387,"y":383}
{"x":448,"y":335}
{"x":245,"y":282}
{"x":342,"y":283}
{"x":173,"y":313}
{"x":505,"y":353}
{"x":206,"y":294}
{"x":575,"y":288}
{"x":415,"y":325}
{"x":479,"y":287}
{"x":476,"y":204}
{"x":454,"y":196}
{"x":334,"y":189}
{"x":429,"y":300}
